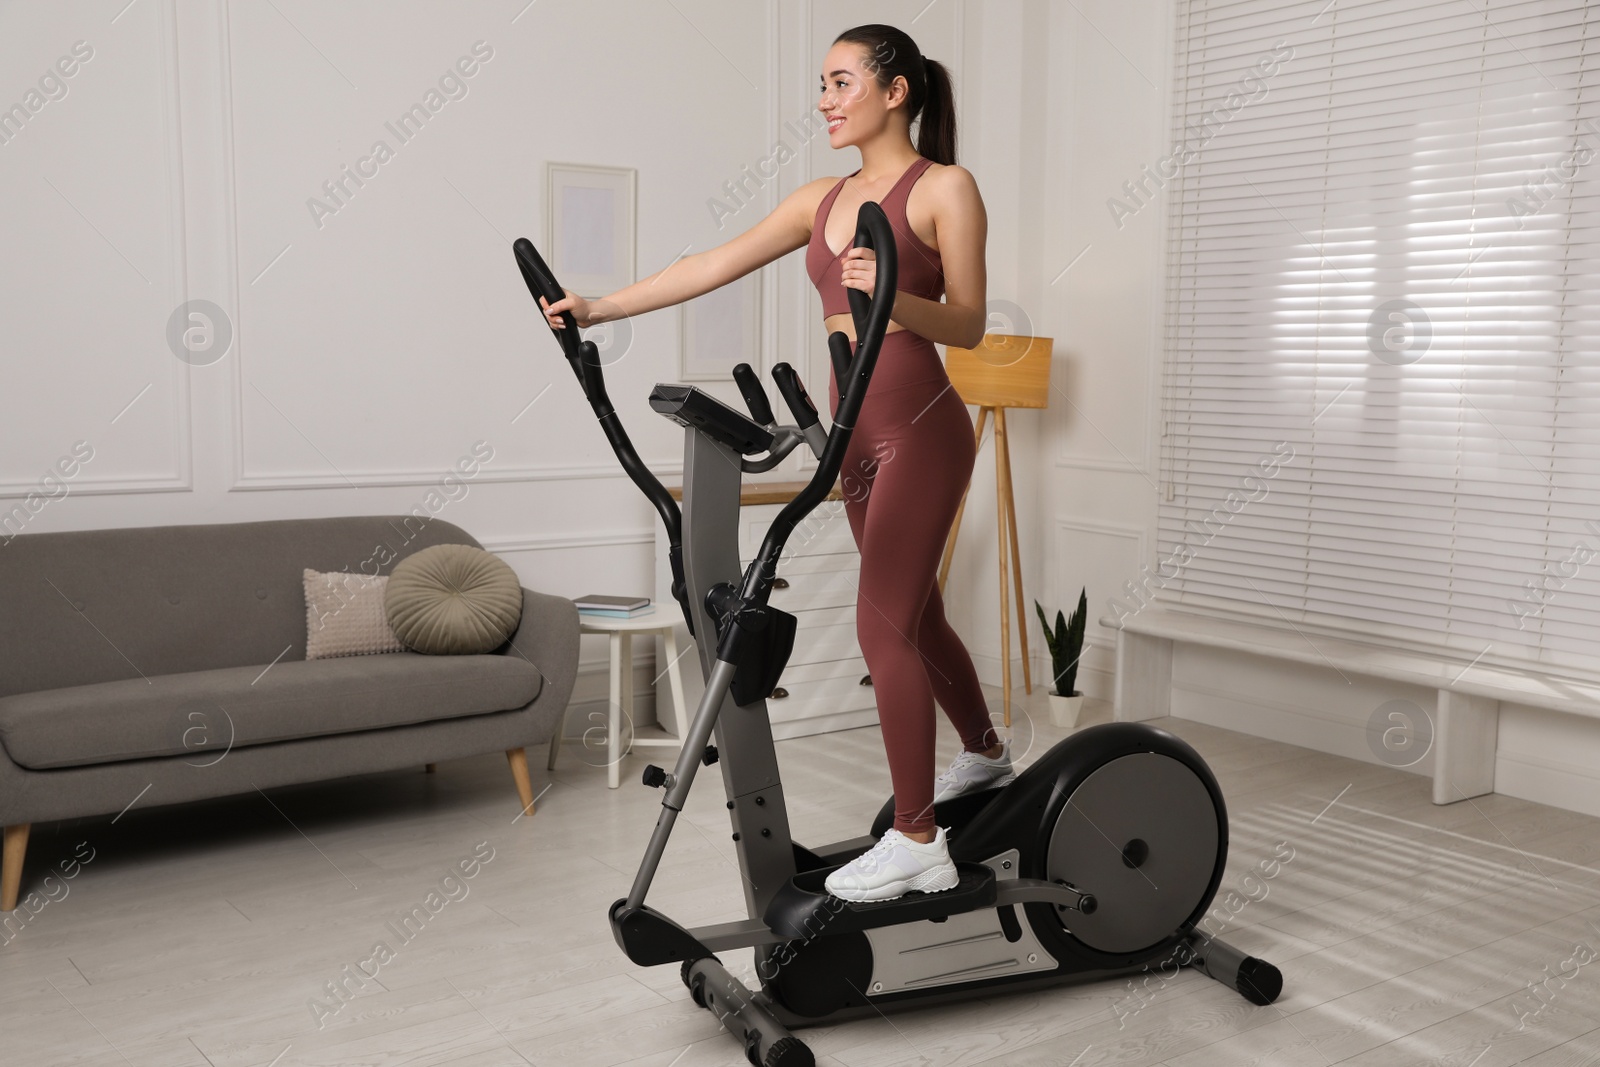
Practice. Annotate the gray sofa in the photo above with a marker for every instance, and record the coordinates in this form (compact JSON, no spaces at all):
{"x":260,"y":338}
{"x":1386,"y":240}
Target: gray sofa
{"x":166,"y":664}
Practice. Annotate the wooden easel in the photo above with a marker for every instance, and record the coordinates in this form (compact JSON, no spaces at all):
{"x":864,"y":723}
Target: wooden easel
{"x":1006,"y":372}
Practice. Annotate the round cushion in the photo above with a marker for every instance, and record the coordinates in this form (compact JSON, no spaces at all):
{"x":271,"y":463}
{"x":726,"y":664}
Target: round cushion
{"x":453,"y":600}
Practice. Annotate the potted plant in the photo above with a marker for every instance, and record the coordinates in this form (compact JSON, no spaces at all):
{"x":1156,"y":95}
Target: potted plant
{"x":1066,"y":647}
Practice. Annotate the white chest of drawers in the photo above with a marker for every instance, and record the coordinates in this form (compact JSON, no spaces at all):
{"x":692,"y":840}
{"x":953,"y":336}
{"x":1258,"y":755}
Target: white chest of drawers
{"x":824,"y":687}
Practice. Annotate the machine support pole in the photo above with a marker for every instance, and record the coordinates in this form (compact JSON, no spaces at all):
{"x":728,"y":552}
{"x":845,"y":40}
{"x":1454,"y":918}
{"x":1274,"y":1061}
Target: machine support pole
{"x":705,"y":720}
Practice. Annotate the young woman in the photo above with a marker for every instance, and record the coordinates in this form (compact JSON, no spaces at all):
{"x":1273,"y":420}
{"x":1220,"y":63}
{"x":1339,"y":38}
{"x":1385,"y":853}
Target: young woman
{"x":913,"y":443}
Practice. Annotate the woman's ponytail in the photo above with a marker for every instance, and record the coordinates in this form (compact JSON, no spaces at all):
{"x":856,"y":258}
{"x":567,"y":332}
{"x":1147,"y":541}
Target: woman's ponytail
{"x":936,"y":138}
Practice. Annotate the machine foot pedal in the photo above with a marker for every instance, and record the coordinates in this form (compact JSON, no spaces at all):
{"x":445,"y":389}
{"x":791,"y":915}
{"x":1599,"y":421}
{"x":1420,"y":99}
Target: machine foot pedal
{"x":803,"y":908}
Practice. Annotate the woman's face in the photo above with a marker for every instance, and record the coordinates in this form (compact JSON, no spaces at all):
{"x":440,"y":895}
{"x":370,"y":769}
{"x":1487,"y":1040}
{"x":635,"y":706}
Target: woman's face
{"x":854,"y":106}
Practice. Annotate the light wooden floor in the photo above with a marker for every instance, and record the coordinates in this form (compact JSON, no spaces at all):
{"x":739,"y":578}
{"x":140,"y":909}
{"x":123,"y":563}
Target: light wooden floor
{"x":200,"y":935}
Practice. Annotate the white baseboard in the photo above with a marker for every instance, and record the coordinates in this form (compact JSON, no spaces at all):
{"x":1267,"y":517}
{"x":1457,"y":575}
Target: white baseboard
{"x":1547,"y":781}
{"x":591,"y":694}
{"x":988,"y":668}
{"x":1093,"y":681}
{"x":1099,"y":683}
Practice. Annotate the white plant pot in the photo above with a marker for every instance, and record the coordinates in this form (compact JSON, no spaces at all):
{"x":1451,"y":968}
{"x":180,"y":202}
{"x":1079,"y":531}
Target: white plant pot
{"x":1064,"y":710}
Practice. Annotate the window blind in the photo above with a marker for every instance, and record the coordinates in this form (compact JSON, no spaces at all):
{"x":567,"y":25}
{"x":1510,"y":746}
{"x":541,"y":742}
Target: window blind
{"x":1381,"y":392}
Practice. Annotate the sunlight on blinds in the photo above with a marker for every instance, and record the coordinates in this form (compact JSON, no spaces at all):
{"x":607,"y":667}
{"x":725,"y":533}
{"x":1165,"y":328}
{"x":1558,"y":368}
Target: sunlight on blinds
{"x":1384,"y":264}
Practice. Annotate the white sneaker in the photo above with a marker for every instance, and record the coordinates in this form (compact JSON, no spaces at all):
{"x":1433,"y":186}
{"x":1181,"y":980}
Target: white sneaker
{"x":972,"y":771}
{"x":895,"y":866}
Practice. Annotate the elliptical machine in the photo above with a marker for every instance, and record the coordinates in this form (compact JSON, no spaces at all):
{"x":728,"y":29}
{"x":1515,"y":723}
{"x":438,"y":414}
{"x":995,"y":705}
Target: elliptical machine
{"x":1095,"y":863}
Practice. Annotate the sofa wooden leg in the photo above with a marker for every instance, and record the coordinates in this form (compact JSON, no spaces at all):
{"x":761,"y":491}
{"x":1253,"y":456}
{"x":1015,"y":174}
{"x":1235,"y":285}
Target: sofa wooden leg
{"x":429,"y":768}
{"x":16,"y":846}
{"x":519,"y":771}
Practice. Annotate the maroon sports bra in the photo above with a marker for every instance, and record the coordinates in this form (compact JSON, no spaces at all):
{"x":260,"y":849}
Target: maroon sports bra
{"x":921,"y":269}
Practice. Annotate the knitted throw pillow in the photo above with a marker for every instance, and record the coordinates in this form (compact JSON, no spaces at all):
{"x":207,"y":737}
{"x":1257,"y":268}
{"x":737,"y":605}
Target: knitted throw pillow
{"x":345,"y":615}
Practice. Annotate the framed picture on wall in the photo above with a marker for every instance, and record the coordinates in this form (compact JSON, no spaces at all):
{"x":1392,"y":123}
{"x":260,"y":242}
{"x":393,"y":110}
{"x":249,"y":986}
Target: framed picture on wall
{"x":589,"y":217}
{"x":721,"y":329}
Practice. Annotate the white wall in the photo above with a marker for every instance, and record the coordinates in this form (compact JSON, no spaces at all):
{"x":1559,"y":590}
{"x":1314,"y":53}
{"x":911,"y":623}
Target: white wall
{"x":1001,"y":137}
{"x":1103,"y":86}
{"x":375,"y":347}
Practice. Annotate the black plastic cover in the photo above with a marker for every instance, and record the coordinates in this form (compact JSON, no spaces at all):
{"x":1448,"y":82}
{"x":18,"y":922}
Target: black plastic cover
{"x":649,"y":938}
{"x":690,"y":406}
{"x":818,"y":976}
{"x":755,"y":397}
{"x":762,"y":652}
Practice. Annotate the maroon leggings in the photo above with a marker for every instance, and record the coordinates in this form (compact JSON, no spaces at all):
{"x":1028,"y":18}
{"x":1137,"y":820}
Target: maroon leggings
{"x":908,"y":463}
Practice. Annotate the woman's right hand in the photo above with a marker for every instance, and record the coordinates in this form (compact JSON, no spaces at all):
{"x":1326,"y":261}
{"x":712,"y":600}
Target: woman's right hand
{"x":582,"y":311}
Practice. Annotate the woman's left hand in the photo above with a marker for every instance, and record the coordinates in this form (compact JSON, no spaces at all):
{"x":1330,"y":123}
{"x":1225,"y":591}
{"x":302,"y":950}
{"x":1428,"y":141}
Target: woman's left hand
{"x":860,"y":270}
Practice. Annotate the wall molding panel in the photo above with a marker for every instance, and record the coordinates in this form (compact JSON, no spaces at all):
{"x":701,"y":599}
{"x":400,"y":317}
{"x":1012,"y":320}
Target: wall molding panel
{"x":1115,"y":466}
{"x":383,"y":479}
{"x":62,"y":183}
{"x":564,"y":542}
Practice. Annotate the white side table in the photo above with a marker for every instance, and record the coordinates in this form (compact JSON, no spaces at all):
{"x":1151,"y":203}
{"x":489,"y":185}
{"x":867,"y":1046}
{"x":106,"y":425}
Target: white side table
{"x":620,"y":703}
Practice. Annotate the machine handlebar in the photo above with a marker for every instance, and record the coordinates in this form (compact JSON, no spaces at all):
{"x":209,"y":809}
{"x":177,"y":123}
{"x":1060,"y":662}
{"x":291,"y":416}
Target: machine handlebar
{"x":584,"y":359}
{"x":794,"y":394}
{"x":755,"y":396}
{"x":542,"y":283}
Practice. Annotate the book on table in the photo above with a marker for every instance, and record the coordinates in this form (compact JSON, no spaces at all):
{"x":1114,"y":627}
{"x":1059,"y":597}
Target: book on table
{"x":614,"y":607}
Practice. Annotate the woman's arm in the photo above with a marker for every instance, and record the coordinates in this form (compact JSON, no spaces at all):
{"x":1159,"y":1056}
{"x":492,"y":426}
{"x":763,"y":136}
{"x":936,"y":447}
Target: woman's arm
{"x":961,"y":226}
{"x":787,"y":228}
